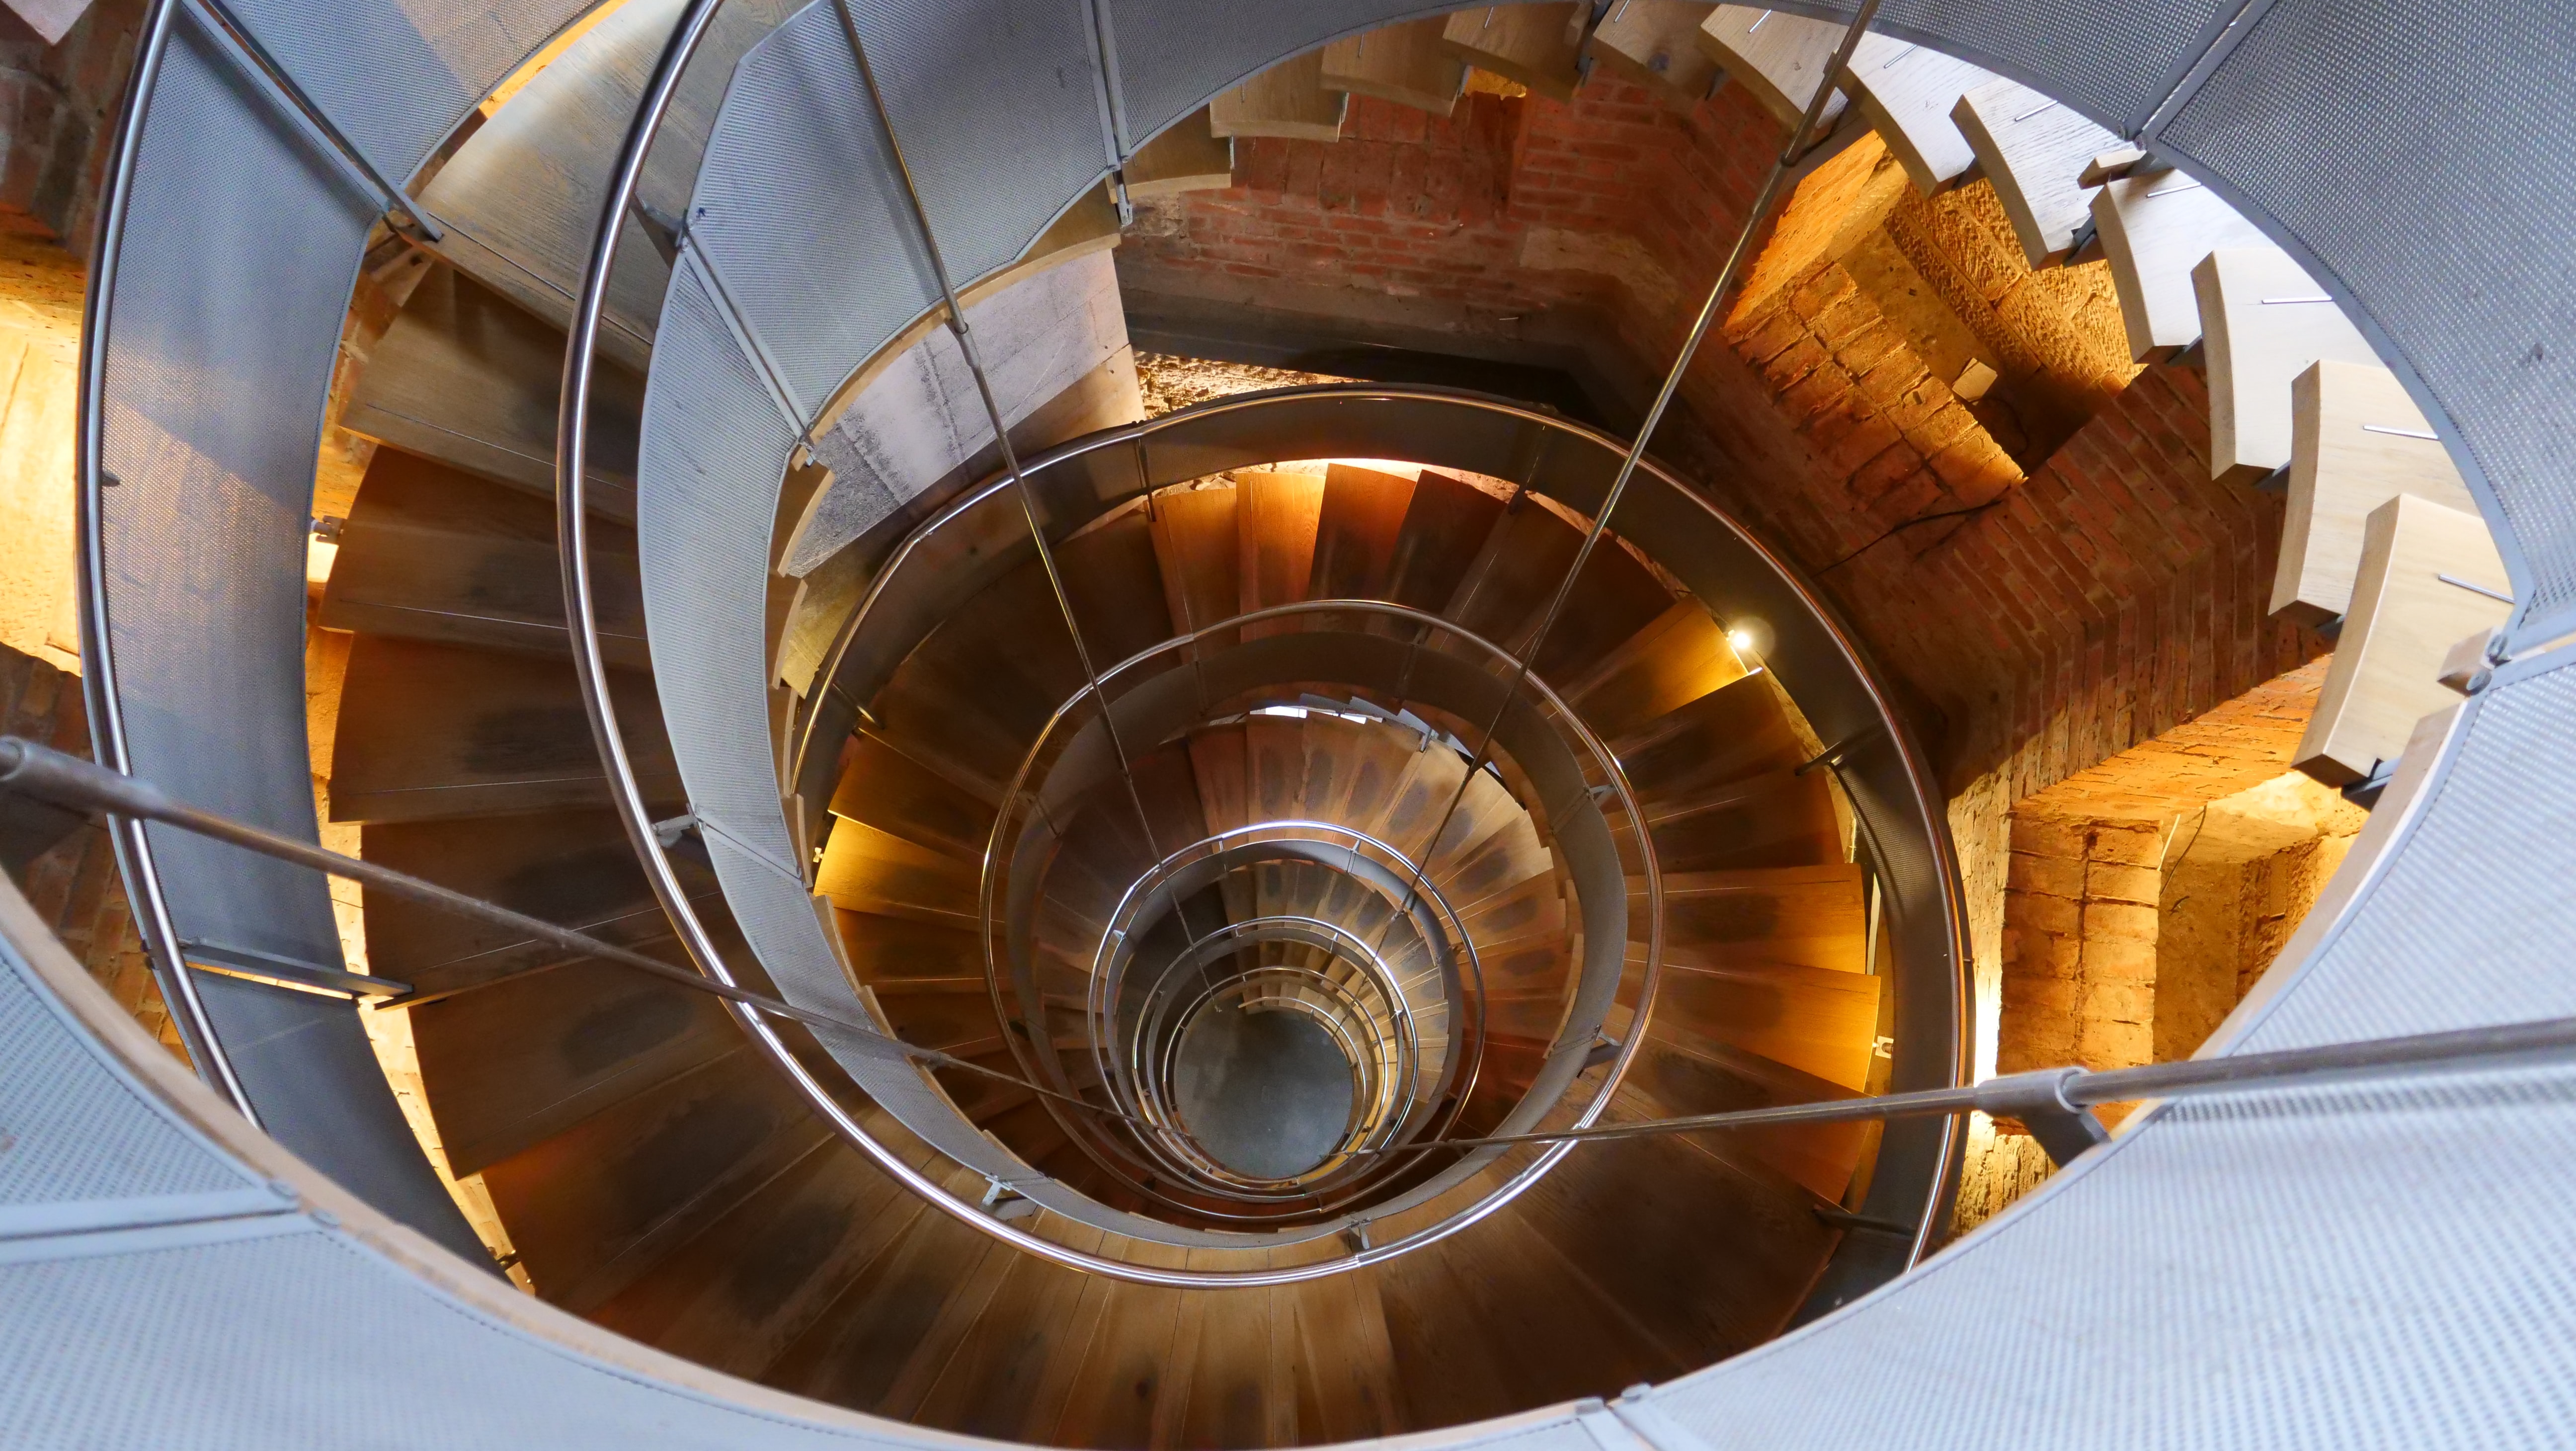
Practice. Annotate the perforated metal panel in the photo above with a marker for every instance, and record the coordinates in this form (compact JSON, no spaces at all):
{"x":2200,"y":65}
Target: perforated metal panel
{"x":713,"y":453}
{"x":235,"y":268}
{"x":75,"y":1130}
{"x":999,"y":112}
{"x":2116,"y":62}
{"x":1173,"y":55}
{"x":2417,"y":156}
{"x":2386,"y":1265}
{"x":397,"y":75}
{"x":802,"y":213}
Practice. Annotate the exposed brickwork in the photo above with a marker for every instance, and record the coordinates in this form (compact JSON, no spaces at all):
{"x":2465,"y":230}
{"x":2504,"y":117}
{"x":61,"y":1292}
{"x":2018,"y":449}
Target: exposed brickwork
{"x":74,"y":886}
{"x":58,"y":107}
{"x":2043,"y":622}
{"x":2080,"y":915}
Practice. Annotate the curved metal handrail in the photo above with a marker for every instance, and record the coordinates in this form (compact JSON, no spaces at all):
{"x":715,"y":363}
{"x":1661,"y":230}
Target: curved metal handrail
{"x":1326,"y":1205}
{"x":1201,"y":852}
{"x":626,"y":793}
{"x":1586,"y":740}
{"x":99,"y":691}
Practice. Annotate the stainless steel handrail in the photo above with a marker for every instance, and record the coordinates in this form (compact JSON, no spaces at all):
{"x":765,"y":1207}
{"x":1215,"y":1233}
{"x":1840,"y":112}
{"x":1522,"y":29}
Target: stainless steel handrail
{"x":1393,"y":1042}
{"x":1259,"y":833}
{"x":572,"y":440}
{"x":626,"y":792}
{"x":1586,"y":740}
{"x":135,"y":861}
{"x":1206,"y":849}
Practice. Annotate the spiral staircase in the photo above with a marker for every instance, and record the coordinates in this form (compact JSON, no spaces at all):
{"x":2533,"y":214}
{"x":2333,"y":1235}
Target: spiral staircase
{"x":1213,"y":853}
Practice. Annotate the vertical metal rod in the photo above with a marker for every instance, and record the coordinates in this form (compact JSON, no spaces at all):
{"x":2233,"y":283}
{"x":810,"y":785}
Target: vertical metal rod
{"x":98,"y":649}
{"x":248,"y":43}
{"x":1726,"y":275}
{"x":993,"y":411}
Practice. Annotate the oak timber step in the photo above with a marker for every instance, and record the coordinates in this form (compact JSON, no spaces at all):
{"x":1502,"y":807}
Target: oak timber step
{"x":592,"y":1209}
{"x":1907,"y":92}
{"x":2429,"y":576}
{"x":1679,"y":1072}
{"x":1288,"y":100}
{"x":766,"y":1270}
{"x":1405,"y":63}
{"x":1776,"y":819}
{"x":466,"y":377}
{"x":1538,"y":46}
{"x":430,"y":730}
{"x":431,"y":552}
{"x":1655,"y":44}
{"x":2357,"y":442}
{"x":1779,"y":58}
{"x":2155,"y":227}
{"x":2034,"y":150}
{"x":2264,"y":321}
{"x":1187,"y":156}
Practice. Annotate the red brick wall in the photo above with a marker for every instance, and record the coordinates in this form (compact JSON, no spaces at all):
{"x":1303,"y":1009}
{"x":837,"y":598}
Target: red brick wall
{"x":58,"y":108}
{"x":2042,"y":623}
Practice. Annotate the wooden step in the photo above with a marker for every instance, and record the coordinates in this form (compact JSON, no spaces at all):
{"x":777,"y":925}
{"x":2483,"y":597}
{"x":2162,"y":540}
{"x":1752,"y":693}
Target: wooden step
{"x":1655,"y":44}
{"x":2405,"y":616}
{"x":736,"y":1296}
{"x":1778,"y":819}
{"x":1009,"y":1377}
{"x":1678,"y":658}
{"x":429,"y":731}
{"x":872,"y":871}
{"x":520,"y":198}
{"x":507,"y":1067}
{"x":1404,"y":63}
{"x":430,"y":552}
{"x":1538,"y":46}
{"x":572,"y":867}
{"x":1275,"y":516}
{"x":2155,"y":227}
{"x":902,"y":1314}
{"x":1187,"y":156}
{"x":591,"y":1210}
{"x":1356,"y":530}
{"x":889,"y":952}
{"x":1446,"y":522}
{"x":2265,"y":321}
{"x":1734,"y":731}
{"x":1634,"y":1223}
{"x":2357,"y":442}
{"x":1779,"y":58}
{"x":1907,"y":92}
{"x":470,"y":379}
{"x":1817,"y":1020}
{"x":2034,"y":149}
{"x":1199,"y":552}
{"x":1288,"y":100}
{"x":1807,"y":917}
{"x":1679,"y":1072}
{"x":896,"y":794}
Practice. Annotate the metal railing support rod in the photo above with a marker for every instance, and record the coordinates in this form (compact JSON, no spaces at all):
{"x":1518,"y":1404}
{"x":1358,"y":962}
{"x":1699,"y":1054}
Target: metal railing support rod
{"x":68,"y":781}
{"x":973,"y":355}
{"x":2077,"y":1090}
{"x":246,"y":41}
{"x":1726,"y":275}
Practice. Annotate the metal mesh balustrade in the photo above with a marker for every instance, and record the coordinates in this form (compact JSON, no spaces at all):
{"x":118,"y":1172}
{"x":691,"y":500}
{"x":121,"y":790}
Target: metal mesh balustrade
{"x":2374,"y":146}
{"x":978,"y":96}
{"x":228,"y":286}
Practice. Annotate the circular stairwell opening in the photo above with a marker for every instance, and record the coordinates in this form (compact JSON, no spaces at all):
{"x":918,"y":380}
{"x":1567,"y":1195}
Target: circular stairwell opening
{"x":1266,"y":1091}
